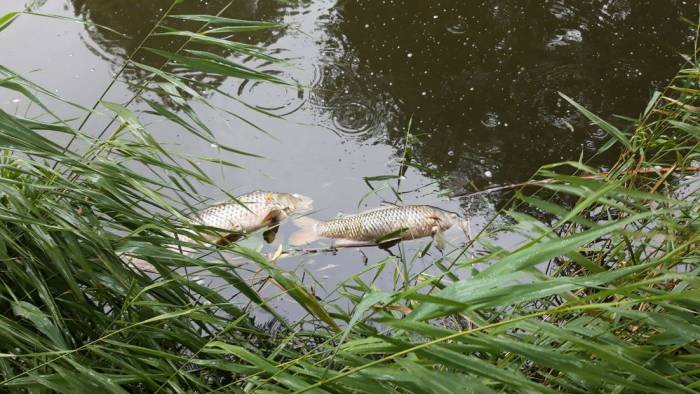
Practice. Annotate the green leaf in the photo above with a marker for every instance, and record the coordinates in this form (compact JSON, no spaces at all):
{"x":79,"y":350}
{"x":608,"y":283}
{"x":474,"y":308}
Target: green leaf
{"x":532,"y":255}
{"x":40,"y":321}
{"x":219,"y":20}
{"x":607,"y":127}
{"x":692,"y":130}
{"x":294,"y":288}
{"x":7,"y":19}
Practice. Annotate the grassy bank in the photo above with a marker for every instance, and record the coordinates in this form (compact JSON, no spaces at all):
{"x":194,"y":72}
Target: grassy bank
{"x":603,"y":295}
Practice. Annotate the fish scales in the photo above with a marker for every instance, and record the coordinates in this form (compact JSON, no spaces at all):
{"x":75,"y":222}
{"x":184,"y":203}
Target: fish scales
{"x":249,"y":212}
{"x":246,"y":214}
{"x":415,"y":220}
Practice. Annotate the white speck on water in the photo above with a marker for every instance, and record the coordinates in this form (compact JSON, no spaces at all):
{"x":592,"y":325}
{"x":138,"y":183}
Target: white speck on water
{"x":423,"y":93}
{"x":450,"y":153}
{"x":327,"y":267}
{"x":409,"y":54}
{"x":366,"y":25}
{"x":435,"y":16}
{"x":488,"y":174}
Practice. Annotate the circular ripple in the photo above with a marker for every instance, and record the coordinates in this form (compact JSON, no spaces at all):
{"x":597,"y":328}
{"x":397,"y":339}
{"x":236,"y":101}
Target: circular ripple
{"x":590,"y":145}
{"x":330,"y":73}
{"x":456,"y":26}
{"x":274,"y":98}
{"x":598,"y":134}
{"x":353,"y":117}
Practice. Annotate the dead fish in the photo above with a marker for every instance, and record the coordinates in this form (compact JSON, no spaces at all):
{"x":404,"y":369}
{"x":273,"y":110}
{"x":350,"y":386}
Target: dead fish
{"x":378,"y":226}
{"x":250,"y":212}
{"x":231,"y":219}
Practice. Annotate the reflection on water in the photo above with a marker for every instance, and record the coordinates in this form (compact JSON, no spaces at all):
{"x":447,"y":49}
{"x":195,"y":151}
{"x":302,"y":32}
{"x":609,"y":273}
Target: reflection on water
{"x":357,"y":103}
{"x":480,"y":80}
{"x":135,"y":19}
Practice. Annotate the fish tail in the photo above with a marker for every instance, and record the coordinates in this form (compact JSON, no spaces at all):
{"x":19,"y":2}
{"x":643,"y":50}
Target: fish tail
{"x":307,"y":233}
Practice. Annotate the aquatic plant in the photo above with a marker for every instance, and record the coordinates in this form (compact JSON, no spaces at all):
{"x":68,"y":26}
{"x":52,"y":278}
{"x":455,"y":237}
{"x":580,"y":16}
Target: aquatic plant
{"x":602,"y":294}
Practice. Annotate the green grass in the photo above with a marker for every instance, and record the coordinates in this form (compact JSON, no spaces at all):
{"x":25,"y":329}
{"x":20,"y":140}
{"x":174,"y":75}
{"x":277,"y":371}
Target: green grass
{"x":615,"y":310}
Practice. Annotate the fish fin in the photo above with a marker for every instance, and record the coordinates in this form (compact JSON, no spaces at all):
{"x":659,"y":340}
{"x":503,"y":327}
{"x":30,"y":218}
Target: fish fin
{"x":344,"y":243}
{"x":228,"y":239}
{"x":307,"y":232}
{"x":389,"y":244}
{"x":269,"y":235}
{"x":439,"y":239}
{"x":272,"y":217}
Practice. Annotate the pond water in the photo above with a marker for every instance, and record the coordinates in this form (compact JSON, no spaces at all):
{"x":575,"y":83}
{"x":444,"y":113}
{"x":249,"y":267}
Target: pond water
{"x":477,"y":81}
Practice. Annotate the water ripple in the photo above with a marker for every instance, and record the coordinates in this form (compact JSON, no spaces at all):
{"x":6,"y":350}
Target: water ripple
{"x":352,"y":117}
{"x":456,"y":25}
{"x":351,"y":105}
{"x":274,"y":98}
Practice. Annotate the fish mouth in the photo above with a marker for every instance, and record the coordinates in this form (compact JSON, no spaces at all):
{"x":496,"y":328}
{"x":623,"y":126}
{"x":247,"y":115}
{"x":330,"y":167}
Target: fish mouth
{"x":303,"y":204}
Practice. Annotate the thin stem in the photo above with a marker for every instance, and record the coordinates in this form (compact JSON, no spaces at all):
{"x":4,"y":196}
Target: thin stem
{"x":116,"y":76}
{"x":152,"y":77}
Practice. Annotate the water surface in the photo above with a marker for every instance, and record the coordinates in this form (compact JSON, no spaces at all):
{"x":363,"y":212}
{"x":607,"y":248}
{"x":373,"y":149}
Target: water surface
{"x":477,"y":81}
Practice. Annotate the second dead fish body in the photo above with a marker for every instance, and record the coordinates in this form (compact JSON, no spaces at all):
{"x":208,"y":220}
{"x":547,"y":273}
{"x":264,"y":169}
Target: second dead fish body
{"x":231,"y":219}
{"x":250,"y":212}
{"x":380,"y":225}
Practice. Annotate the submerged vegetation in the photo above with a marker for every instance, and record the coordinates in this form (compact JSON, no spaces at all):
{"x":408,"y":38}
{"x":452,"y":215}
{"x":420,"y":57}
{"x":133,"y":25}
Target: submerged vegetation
{"x":601,"y":295}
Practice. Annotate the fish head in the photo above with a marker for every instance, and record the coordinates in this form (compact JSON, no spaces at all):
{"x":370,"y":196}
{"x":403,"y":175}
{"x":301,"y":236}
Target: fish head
{"x":295,"y":203}
{"x":449,"y":219}
{"x":453,"y":219}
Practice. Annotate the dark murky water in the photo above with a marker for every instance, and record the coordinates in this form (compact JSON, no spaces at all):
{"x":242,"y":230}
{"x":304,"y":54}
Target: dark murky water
{"x":478,"y":79}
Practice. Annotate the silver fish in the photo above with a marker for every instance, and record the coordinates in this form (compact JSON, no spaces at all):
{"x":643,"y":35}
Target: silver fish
{"x":379,"y":225}
{"x":251,"y":212}
{"x":230,"y":219}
